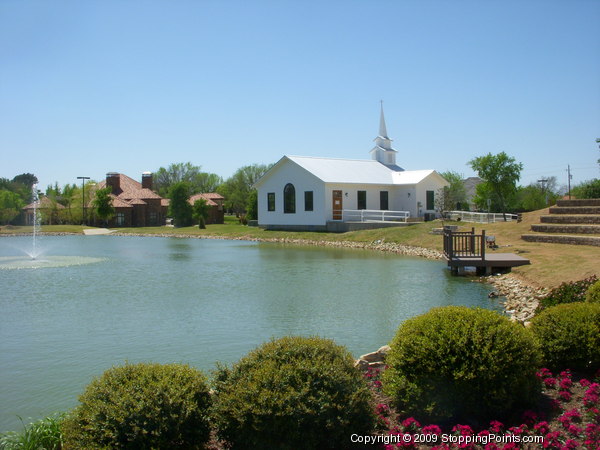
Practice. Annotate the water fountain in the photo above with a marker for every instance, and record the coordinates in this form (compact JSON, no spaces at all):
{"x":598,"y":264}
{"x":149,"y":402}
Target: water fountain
{"x":34,"y":259}
{"x":37,"y":221}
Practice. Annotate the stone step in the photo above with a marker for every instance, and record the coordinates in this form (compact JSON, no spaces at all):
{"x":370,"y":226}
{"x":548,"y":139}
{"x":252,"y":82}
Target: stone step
{"x":575,"y":210}
{"x":562,"y":239}
{"x":571,"y":218}
{"x":579,"y":202}
{"x":567,"y":229}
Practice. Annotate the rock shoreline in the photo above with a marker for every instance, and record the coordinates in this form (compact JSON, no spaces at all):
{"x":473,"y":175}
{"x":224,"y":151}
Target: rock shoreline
{"x":522,"y":299}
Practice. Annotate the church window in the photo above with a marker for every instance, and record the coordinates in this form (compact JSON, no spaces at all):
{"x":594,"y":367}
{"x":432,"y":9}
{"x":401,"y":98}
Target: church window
{"x":384,"y":200}
{"x":289,"y":199}
{"x":308,"y":200}
{"x":430,"y":200}
{"x":271,"y":201}
{"x":362,"y":200}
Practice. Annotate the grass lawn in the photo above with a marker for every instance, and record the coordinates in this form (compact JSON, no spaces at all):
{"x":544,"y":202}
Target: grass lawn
{"x":551,"y":264}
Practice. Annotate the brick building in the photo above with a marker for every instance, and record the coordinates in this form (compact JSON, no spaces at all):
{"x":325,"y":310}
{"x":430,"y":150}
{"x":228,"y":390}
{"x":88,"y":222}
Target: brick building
{"x":215,"y":202}
{"x":136,"y":205}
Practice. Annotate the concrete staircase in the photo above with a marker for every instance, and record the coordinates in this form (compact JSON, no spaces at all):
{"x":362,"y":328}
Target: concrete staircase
{"x":570,"y":222}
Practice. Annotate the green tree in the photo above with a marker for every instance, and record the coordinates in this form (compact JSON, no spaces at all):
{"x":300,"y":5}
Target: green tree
{"x":179,"y":206}
{"x":252,"y":205}
{"x":500,"y":174}
{"x":26,"y":179}
{"x":455,"y":193}
{"x":200,"y":212}
{"x":198,"y":181}
{"x":205,"y":182}
{"x":10,"y":206}
{"x":536,"y":196}
{"x":238,"y":187}
{"x":587,"y":189}
{"x":102,"y":204}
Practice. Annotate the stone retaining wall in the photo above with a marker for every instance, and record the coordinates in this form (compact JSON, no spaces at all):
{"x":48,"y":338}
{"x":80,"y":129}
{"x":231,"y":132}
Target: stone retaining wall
{"x":562,"y":239}
{"x":562,"y":228}
{"x":575,"y":210}
{"x":565,"y":218}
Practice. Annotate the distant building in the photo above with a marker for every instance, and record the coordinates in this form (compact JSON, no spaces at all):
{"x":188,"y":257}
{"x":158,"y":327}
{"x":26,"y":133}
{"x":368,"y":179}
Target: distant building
{"x":136,"y":205}
{"x":301,"y":192}
{"x":48,"y":209}
{"x":470,"y":188}
{"x":215,"y":201}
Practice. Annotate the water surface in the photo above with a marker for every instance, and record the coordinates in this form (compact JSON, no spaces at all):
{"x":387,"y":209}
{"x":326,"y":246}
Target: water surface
{"x":193,"y":301}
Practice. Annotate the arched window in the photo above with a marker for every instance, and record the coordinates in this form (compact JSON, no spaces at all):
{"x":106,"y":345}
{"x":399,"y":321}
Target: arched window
{"x":289,"y":199}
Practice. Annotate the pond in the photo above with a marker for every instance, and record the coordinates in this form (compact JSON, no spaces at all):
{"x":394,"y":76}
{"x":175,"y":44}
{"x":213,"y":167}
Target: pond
{"x":113,"y":299}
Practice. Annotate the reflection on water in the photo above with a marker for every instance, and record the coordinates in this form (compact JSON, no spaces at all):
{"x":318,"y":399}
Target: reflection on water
{"x":194,"y":301}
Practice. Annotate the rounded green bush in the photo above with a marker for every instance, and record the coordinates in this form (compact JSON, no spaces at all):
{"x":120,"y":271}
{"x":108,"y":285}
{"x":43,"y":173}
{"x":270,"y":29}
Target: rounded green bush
{"x":462,"y":364}
{"x":569,"y":336}
{"x":593,"y":293}
{"x":568,"y":292}
{"x":142,"y":406}
{"x":292,"y":393}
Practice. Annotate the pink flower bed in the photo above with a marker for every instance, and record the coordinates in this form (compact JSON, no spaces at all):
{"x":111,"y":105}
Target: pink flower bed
{"x":570,"y":421}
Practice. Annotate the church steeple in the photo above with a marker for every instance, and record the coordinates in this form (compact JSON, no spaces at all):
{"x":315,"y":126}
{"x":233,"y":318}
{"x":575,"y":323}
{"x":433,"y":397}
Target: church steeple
{"x":383,"y":151}
{"x":382,"y":128}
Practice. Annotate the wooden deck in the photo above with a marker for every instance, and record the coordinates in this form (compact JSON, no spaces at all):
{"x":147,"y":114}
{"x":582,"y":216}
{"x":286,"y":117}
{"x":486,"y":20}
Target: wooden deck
{"x":467,"y":249}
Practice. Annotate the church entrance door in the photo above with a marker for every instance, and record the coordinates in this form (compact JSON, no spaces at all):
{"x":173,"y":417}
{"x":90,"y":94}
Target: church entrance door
{"x":337,"y":205}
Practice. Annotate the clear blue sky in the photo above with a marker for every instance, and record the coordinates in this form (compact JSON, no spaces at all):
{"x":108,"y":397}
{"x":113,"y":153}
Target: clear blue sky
{"x":88,"y":87}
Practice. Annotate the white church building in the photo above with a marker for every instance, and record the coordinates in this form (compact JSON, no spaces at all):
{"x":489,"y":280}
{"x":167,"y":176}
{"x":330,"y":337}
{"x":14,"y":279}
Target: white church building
{"x":313,"y":193}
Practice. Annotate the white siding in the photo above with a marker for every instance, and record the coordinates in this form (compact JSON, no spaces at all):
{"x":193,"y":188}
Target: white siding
{"x":302,"y":181}
{"x":350,"y":196}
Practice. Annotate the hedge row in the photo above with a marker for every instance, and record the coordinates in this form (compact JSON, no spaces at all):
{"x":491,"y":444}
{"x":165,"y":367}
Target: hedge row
{"x":451,"y":363}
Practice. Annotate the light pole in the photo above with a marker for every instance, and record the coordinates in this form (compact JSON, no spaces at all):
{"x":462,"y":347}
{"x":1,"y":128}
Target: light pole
{"x":83,"y":196}
{"x":543,"y":181}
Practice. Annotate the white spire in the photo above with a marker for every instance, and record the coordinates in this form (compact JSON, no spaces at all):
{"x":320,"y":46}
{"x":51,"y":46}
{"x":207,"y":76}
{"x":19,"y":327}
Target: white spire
{"x":382,"y":129}
{"x":383,"y":151}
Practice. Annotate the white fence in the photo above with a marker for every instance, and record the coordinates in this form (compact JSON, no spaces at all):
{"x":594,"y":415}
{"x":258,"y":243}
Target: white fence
{"x":479,"y":217}
{"x":374,"y":215}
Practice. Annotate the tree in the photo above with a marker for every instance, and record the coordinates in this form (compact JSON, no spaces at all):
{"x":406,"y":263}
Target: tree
{"x":455,"y":194}
{"x":198,"y":181}
{"x":206,"y":182}
{"x":238,"y":187}
{"x":26,"y":179}
{"x":536,"y":196}
{"x":179,"y":206}
{"x":500,"y":174}
{"x":200,"y":212}
{"x":10,"y":206}
{"x":102,"y":204}
{"x":587,"y":189}
{"x":252,"y":205}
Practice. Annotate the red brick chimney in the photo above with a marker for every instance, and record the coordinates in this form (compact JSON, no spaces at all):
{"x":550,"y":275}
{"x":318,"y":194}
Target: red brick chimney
{"x":147,"y":180}
{"x":114,"y":181}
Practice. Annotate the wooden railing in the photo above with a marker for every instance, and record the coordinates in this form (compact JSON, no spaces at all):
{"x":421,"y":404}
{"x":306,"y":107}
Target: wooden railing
{"x":464,"y":244}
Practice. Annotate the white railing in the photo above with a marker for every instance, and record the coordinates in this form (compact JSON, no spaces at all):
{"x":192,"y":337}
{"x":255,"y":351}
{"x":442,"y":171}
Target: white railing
{"x":479,"y":217}
{"x":374,"y":215}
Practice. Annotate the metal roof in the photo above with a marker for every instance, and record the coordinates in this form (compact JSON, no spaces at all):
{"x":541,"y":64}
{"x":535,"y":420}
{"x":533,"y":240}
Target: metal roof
{"x":357,"y":171}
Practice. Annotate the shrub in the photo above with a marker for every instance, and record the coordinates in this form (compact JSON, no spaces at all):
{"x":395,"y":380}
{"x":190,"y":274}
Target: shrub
{"x":142,"y":406}
{"x":292,"y":393}
{"x":570,"y":292}
{"x":460,"y":363}
{"x":593,"y":293}
{"x":42,"y":434}
{"x":587,"y":189}
{"x":569,"y":335}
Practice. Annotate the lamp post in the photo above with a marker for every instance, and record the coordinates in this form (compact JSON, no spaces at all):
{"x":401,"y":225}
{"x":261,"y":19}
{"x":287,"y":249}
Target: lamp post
{"x":83,"y":197}
{"x":543,"y":181}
